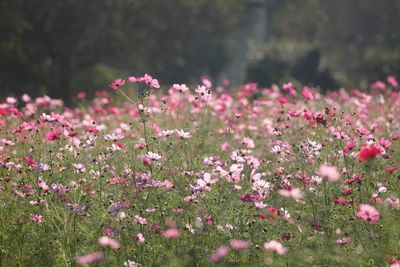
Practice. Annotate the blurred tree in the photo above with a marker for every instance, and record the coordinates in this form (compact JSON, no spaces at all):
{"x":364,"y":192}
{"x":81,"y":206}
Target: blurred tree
{"x":284,"y":60}
{"x":58,"y":46}
{"x":359,"y":40}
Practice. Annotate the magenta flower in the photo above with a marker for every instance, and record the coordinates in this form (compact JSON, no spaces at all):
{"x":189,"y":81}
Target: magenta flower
{"x":368,"y":214}
{"x":307,"y":94}
{"x":117,"y":83}
{"x":51,"y":136}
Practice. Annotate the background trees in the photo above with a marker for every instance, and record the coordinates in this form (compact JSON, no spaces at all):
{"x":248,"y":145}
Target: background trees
{"x":62,"y":46}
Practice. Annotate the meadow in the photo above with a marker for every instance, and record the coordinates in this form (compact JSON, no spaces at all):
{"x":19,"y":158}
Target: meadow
{"x":202,"y":175}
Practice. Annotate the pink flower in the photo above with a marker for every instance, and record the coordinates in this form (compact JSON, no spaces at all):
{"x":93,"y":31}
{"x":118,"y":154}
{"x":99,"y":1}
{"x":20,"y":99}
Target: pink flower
{"x":392,"y":81}
{"x":392,"y":202}
{"x":90,"y":258}
{"x":239,"y":244}
{"x":368,"y":213}
{"x":37,"y":218}
{"x":42,"y":185}
{"x":140,"y":238}
{"x":282,"y":100}
{"x":105,"y":241}
{"x":343,"y":241}
{"x":307,"y":94}
{"x":117,"y":83}
{"x":330,"y":172}
{"x":172,"y":233}
{"x":294,"y":193}
{"x":51,"y":136}
{"x":378,"y":85}
{"x":219,"y":254}
{"x":391,"y":169}
{"x":147,"y":79}
{"x":289,"y":87}
{"x":250,"y":198}
{"x":276,"y":247}
{"x":368,"y":152}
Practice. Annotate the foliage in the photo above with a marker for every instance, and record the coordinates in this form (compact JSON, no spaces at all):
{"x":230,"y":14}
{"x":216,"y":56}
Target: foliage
{"x":50,"y":46}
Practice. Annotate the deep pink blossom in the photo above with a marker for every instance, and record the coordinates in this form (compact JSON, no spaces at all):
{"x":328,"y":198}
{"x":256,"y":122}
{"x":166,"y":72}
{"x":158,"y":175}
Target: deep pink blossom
{"x":117,"y":84}
{"x":51,"y":136}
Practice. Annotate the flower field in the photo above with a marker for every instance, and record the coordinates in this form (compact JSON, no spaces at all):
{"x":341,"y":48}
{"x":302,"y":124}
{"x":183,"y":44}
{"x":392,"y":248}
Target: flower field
{"x":202,"y":175}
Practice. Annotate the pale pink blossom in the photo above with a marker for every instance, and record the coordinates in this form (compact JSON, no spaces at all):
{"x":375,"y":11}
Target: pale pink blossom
{"x":239,"y":244}
{"x":140,"y":238}
{"x":276,"y":247}
{"x":368,"y":213}
{"x":330,"y":172}
{"x":172,"y":233}
{"x":219,"y":254}
{"x":105,"y":241}
{"x":90,"y":258}
{"x":294,"y":193}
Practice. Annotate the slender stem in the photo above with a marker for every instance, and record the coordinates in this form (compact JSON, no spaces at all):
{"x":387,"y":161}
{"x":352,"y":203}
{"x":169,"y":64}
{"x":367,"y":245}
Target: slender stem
{"x":127,"y":97}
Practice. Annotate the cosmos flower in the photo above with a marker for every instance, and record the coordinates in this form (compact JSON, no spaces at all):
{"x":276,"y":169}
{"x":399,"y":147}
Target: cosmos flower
{"x":368,"y":214}
{"x":275,"y":246}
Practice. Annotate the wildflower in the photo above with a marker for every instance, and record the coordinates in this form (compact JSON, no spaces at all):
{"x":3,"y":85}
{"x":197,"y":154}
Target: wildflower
{"x":153,"y":156}
{"x":392,"y":202}
{"x":140,"y":238}
{"x":147,"y":79}
{"x":90,"y":258}
{"x":289,"y":87}
{"x":130,"y":263}
{"x":239,"y":244}
{"x":378,"y":85}
{"x":368,"y":152}
{"x":282,"y":100}
{"x":330,"y":172}
{"x":140,"y":220}
{"x":105,"y":241}
{"x":294,"y":193}
{"x":276,"y":247}
{"x":219,"y":254}
{"x":250,"y":198}
{"x":180,"y":88}
{"x":307,"y":94}
{"x":79,"y":168}
{"x":343,"y":241}
{"x":51,"y":136}
{"x":37,"y":218}
{"x":392,"y":81}
{"x":182,"y":134}
{"x":117,"y":83}
{"x":42,"y":185}
{"x":391,"y":169}
{"x":368,"y":213}
{"x":171,"y":233}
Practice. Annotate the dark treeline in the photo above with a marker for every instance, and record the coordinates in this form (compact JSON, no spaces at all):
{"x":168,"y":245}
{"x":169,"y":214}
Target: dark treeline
{"x":60,"y":47}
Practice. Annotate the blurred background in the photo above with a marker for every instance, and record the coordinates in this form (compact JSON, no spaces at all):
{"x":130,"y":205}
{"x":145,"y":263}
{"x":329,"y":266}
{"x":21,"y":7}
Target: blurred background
{"x":61,"y":47}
